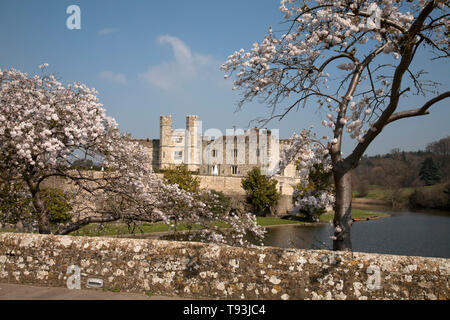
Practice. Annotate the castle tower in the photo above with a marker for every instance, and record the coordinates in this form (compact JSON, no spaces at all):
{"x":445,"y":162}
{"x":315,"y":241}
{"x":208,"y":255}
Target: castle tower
{"x":192,"y":143}
{"x":165,"y":148}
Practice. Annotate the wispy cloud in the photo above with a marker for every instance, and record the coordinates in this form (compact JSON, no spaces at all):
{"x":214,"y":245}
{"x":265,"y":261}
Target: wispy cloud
{"x":105,"y":31}
{"x":185,"y":67}
{"x":113,"y":77}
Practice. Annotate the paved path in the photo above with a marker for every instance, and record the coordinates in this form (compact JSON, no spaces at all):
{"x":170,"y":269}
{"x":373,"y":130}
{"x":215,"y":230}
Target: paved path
{"x":22,"y":292}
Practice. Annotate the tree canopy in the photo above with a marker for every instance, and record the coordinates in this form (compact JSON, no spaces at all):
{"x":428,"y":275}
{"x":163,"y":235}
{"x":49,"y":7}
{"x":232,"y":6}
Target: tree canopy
{"x":429,"y":172}
{"x":46,"y":128}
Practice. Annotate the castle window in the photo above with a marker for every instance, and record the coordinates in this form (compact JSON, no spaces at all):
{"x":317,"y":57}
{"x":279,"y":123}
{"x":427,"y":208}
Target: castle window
{"x":178,"y":139}
{"x":235,"y":152}
{"x":234,"y":169}
{"x":178,"y":155}
{"x":257,"y":152}
{"x":214,"y":153}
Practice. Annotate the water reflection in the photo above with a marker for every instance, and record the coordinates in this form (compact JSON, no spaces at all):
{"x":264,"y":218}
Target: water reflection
{"x":302,"y":237}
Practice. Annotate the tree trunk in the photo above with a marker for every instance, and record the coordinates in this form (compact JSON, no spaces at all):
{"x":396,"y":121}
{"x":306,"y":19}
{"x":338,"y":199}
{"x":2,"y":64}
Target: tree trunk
{"x":342,"y":211}
{"x":43,"y":221}
{"x":40,"y":210}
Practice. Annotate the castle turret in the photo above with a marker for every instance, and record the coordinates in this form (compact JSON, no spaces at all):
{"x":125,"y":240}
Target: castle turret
{"x":165,"y":149}
{"x":192,"y":143}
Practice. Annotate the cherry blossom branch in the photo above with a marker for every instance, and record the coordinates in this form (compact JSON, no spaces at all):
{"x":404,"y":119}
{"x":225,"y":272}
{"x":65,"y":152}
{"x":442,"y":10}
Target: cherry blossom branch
{"x":407,"y":51}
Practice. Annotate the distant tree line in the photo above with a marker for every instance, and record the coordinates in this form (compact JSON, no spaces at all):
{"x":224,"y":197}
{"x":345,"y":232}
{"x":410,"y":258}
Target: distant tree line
{"x":405,"y":169}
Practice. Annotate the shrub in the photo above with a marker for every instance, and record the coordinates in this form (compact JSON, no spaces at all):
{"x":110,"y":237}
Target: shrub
{"x":15,"y":206}
{"x":435,"y":198}
{"x":362,"y":188}
{"x":262,"y":193}
{"x":57,"y":205}
{"x":181,"y":176}
{"x":14,"y":203}
{"x":216,"y":201}
{"x":319,"y":182}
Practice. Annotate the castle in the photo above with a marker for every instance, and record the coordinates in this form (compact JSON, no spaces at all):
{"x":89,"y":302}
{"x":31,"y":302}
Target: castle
{"x":221,"y":160}
{"x":232,"y":154}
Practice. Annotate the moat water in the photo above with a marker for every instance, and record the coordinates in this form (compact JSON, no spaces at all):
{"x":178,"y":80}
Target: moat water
{"x":424,"y":234}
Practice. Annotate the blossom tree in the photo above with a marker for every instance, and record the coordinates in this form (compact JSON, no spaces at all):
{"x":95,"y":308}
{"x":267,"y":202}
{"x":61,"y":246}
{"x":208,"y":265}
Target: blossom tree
{"x":370,"y":48}
{"x":46,"y":127}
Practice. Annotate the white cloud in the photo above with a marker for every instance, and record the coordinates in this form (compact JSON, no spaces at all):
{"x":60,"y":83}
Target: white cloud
{"x":185,"y":67}
{"x":114,"y":77}
{"x":105,"y":31}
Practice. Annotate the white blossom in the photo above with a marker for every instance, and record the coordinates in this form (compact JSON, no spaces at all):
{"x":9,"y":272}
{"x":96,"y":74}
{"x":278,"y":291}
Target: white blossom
{"x":46,"y":127}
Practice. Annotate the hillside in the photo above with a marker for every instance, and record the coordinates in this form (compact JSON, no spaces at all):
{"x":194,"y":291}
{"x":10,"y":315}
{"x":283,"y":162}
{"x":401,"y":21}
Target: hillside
{"x":395,"y":176}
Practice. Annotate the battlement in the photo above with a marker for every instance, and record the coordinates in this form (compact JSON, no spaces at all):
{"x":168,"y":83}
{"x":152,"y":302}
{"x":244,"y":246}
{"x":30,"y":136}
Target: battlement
{"x":190,"y":147}
{"x":191,"y":120}
{"x":165,"y":120}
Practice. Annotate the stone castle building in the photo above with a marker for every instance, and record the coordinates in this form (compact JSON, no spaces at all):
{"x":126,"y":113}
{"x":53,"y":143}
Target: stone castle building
{"x":221,"y":160}
{"x":231,"y":154}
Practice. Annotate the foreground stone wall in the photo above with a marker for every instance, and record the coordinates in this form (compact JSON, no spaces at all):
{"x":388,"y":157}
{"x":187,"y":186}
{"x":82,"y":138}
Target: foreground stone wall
{"x":217,"y":271}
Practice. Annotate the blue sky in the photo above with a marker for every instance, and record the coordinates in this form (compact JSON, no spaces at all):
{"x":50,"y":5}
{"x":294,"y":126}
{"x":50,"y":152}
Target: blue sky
{"x":148,"y":58}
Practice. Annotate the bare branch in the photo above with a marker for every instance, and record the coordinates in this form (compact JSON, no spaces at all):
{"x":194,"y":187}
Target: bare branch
{"x":78,"y":224}
{"x":419,"y":111}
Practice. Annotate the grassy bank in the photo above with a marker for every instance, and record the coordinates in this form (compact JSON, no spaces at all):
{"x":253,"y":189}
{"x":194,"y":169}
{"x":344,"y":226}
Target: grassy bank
{"x":399,"y":198}
{"x":356,"y":214}
{"x":382,"y":193}
{"x":122,"y":229}
{"x":114,"y":229}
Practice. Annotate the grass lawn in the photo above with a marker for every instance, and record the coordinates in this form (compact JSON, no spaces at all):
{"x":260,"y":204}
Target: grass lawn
{"x":114,"y":229}
{"x":381,"y":193}
{"x":122,"y":229}
{"x":8,"y":230}
{"x":375,"y":192}
{"x":356,"y":213}
{"x":273,"y":221}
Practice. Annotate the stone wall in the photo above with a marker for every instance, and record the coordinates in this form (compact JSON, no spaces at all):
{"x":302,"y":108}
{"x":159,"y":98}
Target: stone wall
{"x":152,"y":147}
{"x":217,"y":271}
{"x":231,"y":186}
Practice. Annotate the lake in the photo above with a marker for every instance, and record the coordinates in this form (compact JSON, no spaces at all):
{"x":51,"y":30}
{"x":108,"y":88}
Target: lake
{"x":424,"y":234}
